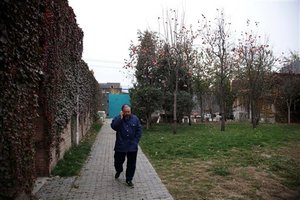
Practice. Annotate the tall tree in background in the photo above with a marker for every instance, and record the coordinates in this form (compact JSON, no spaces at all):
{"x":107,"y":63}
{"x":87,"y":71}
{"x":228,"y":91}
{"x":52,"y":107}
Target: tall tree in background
{"x":178,"y":54}
{"x":146,"y":61}
{"x":256,"y":61}
{"x":218,"y":50}
{"x":174,"y":59}
{"x":185,"y":40}
{"x":201,"y":83}
{"x":145,"y":96}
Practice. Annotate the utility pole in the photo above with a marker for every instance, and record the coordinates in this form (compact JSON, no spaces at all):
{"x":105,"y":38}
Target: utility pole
{"x":77,"y":109}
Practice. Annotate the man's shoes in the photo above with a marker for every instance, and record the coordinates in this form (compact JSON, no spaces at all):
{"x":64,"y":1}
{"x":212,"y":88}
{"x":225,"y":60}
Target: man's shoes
{"x":129,"y":183}
{"x":117,"y":175}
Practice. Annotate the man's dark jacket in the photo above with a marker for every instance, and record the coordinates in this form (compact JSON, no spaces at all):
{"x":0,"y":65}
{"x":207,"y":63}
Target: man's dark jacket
{"x":128,"y":133}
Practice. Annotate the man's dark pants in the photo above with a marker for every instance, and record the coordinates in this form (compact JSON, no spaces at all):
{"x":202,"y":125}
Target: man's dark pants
{"x":131,"y":163}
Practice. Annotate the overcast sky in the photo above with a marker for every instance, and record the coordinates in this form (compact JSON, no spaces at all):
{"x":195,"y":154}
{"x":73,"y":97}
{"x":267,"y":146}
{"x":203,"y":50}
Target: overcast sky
{"x":110,"y":25}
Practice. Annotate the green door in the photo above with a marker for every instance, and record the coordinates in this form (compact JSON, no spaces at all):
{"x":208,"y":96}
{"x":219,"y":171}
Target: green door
{"x":115,"y":102}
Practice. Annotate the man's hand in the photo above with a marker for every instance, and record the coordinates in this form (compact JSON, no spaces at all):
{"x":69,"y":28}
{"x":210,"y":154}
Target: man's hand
{"x":121,"y":114}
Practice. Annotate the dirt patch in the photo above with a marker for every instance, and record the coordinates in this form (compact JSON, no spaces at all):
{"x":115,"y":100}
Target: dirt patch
{"x":251,"y":183}
{"x":195,"y":179}
{"x":292,"y":151}
{"x":187,"y":179}
{"x":259,"y":182}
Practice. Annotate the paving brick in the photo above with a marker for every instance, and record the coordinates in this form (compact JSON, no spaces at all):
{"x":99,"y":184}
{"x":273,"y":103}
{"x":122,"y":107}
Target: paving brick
{"x":96,"y":180}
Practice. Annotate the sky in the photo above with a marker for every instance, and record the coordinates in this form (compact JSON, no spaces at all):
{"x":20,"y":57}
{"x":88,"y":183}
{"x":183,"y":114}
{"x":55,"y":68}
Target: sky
{"x":109,"y":26}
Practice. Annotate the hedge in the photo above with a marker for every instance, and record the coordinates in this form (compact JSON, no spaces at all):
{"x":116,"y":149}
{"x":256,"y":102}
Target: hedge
{"x":41,"y":70}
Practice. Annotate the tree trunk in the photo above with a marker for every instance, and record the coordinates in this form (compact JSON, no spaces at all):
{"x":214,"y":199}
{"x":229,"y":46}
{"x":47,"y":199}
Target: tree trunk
{"x":175,"y":111}
{"x":175,"y":104}
{"x":147,"y":123}
{"x":289,"y":111}
{"x":223,"y":115}
{"x":201,"y":110}
{"x":189,"y":116}
{"x":222,"y":105}
{"x":253,"y":114}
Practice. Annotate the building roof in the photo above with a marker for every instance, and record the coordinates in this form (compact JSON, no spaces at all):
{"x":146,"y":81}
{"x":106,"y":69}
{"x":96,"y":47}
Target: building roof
{"x":109,"y":85}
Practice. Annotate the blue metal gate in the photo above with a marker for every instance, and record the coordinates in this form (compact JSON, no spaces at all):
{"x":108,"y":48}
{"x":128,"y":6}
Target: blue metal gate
{"x":115,"y":102}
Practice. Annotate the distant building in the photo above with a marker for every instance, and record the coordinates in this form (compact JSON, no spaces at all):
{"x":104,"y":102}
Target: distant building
{"x":112,"y":98}
{"x":106,"y":89}
{"x":113,"y":88}
{"x":292,"y":68}
{"x":272,"y":104}
{"x":242,"y":108}
{"x":210,"y":106}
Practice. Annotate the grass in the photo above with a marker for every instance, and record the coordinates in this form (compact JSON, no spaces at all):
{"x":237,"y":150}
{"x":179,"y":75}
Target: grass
{"x":213,"y":160}
{"x":221,"y":170}
{"x":76,"y":156}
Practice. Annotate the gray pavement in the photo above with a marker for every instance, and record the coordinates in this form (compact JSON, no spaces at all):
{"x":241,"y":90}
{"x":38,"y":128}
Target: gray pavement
{"x":96,"y":180}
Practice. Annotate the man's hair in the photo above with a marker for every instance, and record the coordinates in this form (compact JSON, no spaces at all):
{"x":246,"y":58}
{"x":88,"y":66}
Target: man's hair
{"x":124,"y":105}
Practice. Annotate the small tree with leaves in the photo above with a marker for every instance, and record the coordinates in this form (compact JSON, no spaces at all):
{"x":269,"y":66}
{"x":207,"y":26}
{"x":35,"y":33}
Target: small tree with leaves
{"x":145,"y":100}
{"x":145,"y":96}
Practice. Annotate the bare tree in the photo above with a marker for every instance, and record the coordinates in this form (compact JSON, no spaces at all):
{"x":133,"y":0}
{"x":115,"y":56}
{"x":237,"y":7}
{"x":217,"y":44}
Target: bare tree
{"x":289,"y":82}
{"x":201,"y":81}
{"x":178,"y":41}
{"x":256,"y":61}
{"x":218,"y":45}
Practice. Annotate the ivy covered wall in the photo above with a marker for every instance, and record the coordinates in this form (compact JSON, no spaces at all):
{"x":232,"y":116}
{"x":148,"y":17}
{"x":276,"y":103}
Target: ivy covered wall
{"x":42,"y":77}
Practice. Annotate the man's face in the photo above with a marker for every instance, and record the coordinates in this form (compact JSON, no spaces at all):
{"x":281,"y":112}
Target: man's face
{"x":126,"y":112}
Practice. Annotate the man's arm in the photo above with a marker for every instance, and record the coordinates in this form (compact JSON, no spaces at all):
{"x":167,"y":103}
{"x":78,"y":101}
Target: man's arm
{"x":116,"y":123}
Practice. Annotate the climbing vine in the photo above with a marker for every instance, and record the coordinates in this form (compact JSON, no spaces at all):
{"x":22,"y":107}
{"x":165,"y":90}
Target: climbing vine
{"x":41,"y":69}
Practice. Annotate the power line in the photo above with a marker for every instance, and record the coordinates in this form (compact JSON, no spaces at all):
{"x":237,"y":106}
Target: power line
{"x":104,"y":66}
{"x":104,"y":61}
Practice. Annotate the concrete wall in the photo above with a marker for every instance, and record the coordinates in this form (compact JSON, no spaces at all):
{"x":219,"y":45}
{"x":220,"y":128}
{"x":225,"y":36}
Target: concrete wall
{"x":66,"y":142}
{"x":65,"y":145}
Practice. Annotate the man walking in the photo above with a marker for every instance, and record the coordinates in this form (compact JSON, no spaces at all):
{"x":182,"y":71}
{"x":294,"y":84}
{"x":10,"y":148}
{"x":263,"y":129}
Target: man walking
{"x":128,"y":133}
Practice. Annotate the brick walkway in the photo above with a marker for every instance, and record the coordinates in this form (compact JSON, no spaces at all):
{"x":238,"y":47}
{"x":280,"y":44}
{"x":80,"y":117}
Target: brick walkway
{"x":97,"y":181}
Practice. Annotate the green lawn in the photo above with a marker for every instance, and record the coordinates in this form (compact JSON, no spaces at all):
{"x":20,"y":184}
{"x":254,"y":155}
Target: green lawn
{"x":201,"y":161}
